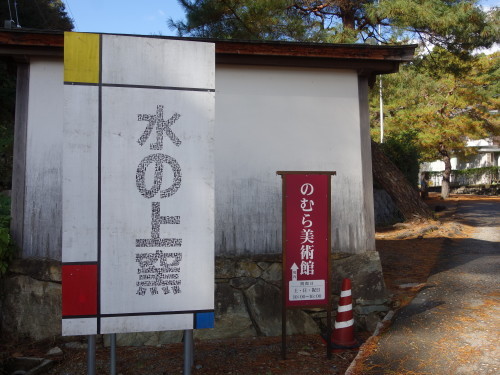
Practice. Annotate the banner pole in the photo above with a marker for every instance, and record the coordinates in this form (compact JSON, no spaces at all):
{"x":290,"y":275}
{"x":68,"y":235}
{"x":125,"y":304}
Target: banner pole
{"x":329,"y":281}
{"x":188,"y":351}
{"x":329,"y":332}
{"x":91,"y":355}
{"x":283,"y":270}
{"x":112,"y":339}
{"x":283,"y":333}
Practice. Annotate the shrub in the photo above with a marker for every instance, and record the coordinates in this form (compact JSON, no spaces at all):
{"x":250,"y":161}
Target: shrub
{"x":401,"y":148}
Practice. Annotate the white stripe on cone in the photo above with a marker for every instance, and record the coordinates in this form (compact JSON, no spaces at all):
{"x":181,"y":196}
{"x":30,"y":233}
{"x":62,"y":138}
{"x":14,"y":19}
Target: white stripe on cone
{"x":345,"y":308}
{"x":339,"y":325}
{"x":345,"y":293}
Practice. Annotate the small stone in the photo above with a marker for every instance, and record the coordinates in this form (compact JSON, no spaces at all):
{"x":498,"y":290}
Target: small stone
{"x":410,"y":285}
{"x":404,"y":235}
{"x":242,"y":282}
{"x":263,"y":265}
{"x":273,"y":273}
{"x":400,"y":226}
{"x":304,"y":353}
{"x":371,"y":321}
{"x":247,"y":268}
{"x":75,"y":345}
{"x":55,"y":351}
{"x":199,"y":367}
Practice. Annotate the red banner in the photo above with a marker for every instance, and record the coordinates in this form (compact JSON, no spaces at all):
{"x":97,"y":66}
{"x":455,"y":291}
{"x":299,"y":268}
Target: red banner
{"x":306,"y":248}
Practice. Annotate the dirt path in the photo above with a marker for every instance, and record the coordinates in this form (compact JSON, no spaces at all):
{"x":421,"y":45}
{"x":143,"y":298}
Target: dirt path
{"x":452,"y":326}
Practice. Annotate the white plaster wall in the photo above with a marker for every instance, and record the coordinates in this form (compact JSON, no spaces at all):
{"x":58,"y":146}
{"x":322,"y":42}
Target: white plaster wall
{"x":479,"y":142}
{"x":438,"y":165}
{"x":42,"y":208}
{"x":482,"y":159}
{"x":267,"y":119}
{"x":271,"y":119}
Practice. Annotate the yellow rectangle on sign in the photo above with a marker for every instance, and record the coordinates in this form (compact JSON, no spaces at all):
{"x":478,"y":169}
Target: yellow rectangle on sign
{"x":81,"y":57}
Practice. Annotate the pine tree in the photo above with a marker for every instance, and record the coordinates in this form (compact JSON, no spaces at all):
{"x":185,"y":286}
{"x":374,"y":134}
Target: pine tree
{"x":444,"y":109}
{"x":36,"y":14}
{"x":29,"y":14}
{"x":448,"y":30}
{"x":458,"y":25}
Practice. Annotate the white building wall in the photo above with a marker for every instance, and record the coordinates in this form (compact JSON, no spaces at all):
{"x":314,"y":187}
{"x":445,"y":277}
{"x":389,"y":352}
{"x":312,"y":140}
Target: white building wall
{"x":480,"y":160}
{"x":267,"y":120}
{"x":43,"y":194}
{"x":286,"y":119}
{"x":438,"y":165}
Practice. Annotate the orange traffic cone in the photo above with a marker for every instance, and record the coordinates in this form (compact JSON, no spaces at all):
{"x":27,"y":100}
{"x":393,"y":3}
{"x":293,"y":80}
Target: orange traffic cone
{"x":343,"y":334}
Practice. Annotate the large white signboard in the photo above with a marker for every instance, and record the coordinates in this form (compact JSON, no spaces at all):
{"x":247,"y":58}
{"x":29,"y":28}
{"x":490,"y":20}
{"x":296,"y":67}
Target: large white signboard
{"x":138,"y":201}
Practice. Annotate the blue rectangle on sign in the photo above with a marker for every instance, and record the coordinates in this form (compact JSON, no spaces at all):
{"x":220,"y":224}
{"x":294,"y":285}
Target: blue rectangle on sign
{"x":204,"y":320}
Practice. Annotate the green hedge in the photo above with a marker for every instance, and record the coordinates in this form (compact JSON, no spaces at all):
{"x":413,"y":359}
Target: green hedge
{"x":401,"y":148}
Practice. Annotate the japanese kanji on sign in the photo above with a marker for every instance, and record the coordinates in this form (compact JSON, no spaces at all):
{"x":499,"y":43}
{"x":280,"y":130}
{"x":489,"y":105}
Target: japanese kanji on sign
{"x":306,"y":240}
{"x":138,"y":180}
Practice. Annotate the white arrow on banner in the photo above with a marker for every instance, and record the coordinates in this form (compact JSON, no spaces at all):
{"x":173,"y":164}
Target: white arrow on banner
{"x":294,"y":269}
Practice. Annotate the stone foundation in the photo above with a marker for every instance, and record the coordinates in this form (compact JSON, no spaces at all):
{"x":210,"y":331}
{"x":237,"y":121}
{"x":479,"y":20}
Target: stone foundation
{"x":386,"y":211}
{"x":247,"y":299}
{"x":30,"y":299}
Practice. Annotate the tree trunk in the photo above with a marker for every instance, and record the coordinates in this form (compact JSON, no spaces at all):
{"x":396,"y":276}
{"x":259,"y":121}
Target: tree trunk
{"x":348,"y":14}
{"x":445,"y":185}
{"x":405,"y":197}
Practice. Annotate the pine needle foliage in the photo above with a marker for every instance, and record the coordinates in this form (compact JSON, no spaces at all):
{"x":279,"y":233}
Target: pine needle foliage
{"x":457,"y":25}
{"x":442,"y":108}
{"x":444,"y":97}
{"x":36,"y":14}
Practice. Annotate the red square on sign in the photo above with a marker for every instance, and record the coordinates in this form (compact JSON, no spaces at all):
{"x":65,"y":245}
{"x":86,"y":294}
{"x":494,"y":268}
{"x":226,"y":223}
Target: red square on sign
{"x":79,"y":290}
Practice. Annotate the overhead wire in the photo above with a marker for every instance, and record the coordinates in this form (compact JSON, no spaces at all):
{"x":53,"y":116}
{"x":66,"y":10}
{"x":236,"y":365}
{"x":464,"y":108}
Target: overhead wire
{"x":71,"y":14}
{"x":17,"y":17}
{"x":10,"y":11}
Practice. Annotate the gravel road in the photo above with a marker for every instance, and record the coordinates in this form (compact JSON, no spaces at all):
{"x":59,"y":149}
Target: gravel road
{"x":452,"y":326}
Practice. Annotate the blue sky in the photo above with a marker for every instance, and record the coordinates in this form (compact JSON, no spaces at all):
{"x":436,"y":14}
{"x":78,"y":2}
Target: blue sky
{"x":144,"y":17}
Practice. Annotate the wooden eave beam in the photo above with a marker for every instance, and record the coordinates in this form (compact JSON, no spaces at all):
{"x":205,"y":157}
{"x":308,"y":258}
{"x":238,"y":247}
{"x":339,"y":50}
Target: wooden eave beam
{"x":366,"y":59}
{"x":27,"y":39}
{"x":317,"y":50}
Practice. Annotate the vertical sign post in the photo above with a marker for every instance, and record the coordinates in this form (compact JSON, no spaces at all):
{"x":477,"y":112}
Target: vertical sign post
{"x":306,"y":244}
{"x":138,"y":180}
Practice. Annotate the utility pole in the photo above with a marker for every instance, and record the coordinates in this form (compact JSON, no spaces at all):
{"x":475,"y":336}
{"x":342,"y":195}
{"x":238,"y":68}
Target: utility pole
{"x":381,"y":99}
{"x":381,"y":111}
